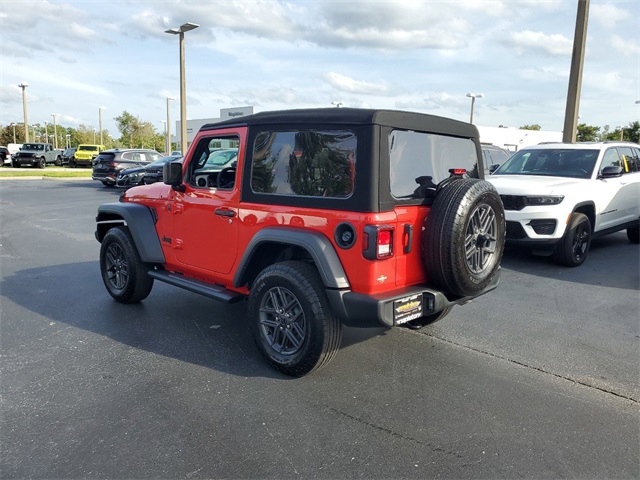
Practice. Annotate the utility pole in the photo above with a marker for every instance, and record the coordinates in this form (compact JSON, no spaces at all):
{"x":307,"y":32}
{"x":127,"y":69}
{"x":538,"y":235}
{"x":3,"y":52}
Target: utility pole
{"x":575,"y":77}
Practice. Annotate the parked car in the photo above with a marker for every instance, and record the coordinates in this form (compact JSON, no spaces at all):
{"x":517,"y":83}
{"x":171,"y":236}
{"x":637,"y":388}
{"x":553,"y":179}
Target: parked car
{"x":153,"y":171}
{"x":109,"y":163}
{"x":5,"y":156}
{"x":368,"y":217}
{"x":130,"y":177}
{"x":85,"y":154}
{"x":493,"y":157}
{"x":37,"y":155}
{"x":557,"y":197}
{"x":67,"y":155}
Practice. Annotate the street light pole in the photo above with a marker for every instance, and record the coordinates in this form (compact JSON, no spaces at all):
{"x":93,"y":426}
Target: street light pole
{"x":168,"y":139}
{"x":55,"y":130}
{"x":575,"y":74}
{"x":14,"y":132}
{"x":23,"y":86}
{"x":473,"y":101}
{"x":183,"y":91}
{"x":100,"y":122}
{"x":46,"y":132}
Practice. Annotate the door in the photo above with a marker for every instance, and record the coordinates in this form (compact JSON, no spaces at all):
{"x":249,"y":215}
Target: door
{"x":618,"y":196}
{"x":205,"y":215}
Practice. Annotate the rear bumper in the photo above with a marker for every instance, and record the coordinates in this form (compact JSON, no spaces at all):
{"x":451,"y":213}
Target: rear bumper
{"x":361,"y":310}
{"x":111,"y":179}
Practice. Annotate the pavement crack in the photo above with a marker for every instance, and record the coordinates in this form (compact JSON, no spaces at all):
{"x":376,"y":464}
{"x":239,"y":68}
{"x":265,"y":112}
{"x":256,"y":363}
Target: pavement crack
{"x":388,"y":431}
{"x":532,"y":367}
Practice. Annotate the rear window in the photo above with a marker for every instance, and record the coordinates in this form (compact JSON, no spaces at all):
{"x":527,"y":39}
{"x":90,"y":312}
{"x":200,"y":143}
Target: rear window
{"x":105,"y":157}
{"x":417,"y":157}
{"x":310,"y":163}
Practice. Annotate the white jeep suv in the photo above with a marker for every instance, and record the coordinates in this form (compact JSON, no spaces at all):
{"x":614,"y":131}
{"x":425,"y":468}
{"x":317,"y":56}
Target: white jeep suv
{"x":558,"y":196}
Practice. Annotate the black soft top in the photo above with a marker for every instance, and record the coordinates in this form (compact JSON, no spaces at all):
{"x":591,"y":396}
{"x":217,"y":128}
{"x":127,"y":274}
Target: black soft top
{"x":355,"y":116}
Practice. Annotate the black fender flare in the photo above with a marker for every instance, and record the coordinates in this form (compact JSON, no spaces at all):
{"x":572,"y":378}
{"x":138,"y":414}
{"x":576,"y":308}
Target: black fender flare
{"x":140,"y":220}
{"x":319,"y":247}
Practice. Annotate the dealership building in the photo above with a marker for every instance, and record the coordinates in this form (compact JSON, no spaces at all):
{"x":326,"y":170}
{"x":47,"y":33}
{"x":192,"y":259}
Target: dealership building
{"x":194,"y":125}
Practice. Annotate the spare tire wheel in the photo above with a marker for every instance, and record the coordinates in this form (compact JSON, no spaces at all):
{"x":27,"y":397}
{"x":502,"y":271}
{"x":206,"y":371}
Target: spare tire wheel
{"x":464,"y":236}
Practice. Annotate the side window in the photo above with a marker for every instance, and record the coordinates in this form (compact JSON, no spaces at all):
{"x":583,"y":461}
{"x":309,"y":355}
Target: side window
{"x":213,"y":163}
{"x":630,"y":161}
{"x":126,"y":156}
{"x":309,"y":163}
{"x":135,"y":156}
{"x":611,"y":158}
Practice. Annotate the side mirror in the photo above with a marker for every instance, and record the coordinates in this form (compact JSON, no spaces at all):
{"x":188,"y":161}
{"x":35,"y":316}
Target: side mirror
{"x":172,"y":175}
{"x":611,"y":171}
{"x":493,"y":168}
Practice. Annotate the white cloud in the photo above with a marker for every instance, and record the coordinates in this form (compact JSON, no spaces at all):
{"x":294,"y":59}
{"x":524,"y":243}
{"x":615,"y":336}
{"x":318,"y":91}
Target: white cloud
{"x":554,"y":44}
{"x":626,"y":46}
{"x":607,"y":14}
{"x":350,"y":85}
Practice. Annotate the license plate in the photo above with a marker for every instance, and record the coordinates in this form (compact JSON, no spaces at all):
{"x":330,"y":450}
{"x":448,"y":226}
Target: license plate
{"x":407,"y":309}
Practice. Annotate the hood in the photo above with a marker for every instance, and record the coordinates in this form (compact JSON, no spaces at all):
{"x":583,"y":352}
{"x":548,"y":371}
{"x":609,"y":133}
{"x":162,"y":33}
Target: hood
{"x":533,"y":184}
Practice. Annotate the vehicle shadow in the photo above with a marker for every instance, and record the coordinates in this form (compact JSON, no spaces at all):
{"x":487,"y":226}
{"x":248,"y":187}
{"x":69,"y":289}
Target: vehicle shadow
{"x":596,"y":270}
{"x":171,"y":322}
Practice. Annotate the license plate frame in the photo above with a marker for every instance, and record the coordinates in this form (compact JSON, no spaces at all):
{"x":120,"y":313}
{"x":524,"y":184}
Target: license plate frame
{"x":408,"y":308}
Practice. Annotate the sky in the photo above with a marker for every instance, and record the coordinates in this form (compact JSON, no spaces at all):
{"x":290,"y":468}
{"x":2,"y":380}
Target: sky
{"x":416,"y":55}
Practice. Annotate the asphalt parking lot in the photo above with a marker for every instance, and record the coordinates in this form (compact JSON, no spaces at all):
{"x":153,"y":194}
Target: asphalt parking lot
{"x":539,"y":379}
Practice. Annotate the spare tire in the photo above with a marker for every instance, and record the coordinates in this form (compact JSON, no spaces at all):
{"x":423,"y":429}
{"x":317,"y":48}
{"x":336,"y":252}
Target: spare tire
{"x":464,"y":236}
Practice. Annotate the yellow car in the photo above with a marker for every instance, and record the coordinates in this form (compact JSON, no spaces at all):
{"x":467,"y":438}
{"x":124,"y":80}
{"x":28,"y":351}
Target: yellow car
{"x":84,"y":155}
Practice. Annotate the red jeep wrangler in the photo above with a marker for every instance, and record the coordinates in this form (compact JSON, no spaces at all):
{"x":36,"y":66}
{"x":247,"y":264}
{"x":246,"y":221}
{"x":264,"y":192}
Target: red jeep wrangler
{"x":325,"y":216}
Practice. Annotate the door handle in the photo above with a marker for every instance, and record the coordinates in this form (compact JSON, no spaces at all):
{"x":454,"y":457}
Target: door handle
{"x":223,"y":212}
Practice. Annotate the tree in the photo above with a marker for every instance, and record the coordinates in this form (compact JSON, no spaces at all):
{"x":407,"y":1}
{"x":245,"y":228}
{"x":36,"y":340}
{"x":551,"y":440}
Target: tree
{"x":587,"y":133}
{"x":535,"y":126}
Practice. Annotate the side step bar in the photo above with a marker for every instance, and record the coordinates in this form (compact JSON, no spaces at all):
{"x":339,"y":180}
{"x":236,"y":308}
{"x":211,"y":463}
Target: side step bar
{"x":212,"y":291}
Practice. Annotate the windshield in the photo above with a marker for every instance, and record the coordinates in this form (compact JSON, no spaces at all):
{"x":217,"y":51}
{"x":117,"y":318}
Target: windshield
{"x":220,"y":157}
{"x":33,"y":146}
{"x":88,"y":147}
{"x":163,"y":160}
{"x":552,"y":162}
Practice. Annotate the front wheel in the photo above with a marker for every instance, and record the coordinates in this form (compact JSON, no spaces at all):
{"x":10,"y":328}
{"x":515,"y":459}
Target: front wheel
{"x":291,"y":321}
{"x":574,"y":246}
{"x":123,"y":272}
{"x":72,"y":163}
{"x":42,"y":163}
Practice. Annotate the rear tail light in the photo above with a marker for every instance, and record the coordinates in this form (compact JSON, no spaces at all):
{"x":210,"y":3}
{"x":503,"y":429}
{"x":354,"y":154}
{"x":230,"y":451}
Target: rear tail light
{"x":377,"y":242}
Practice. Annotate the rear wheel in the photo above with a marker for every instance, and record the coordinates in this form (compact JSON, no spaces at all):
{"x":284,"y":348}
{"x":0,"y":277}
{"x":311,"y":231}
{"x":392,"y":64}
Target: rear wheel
{"x":58,"y":162}
{"x":291,"y":321}
{"x":464,"y":237}
{"x":574,"y":246}
{"x":633,"y":234}
{"x":123,"y":272}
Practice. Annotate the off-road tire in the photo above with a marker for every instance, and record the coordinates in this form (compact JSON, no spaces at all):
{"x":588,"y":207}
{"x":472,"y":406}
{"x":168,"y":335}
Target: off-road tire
{"x":290,"y":319}
{"x":422,"y":322}
{"x":42,"y":163}
{"x":72,"y":163}
{"x":58,"y":162}
{"x":574,"y":247}
{"x":464,"y":237}
{"x":123,"y":272}
{"x":633,"y":234}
